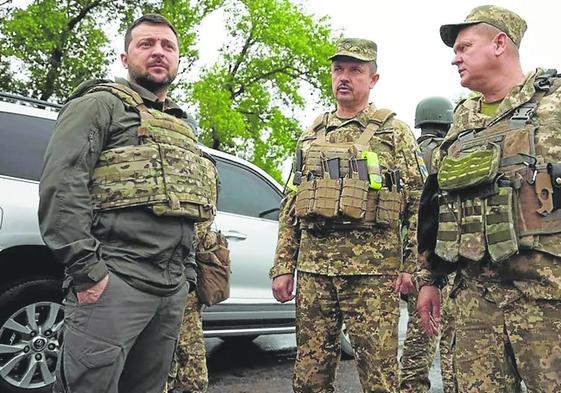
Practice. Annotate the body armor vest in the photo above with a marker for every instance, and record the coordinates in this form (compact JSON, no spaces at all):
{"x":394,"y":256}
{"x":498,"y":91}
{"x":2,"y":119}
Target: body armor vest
{"x":166,"y":171}
{"x":343,"y":201}
{"x":492,"y":202}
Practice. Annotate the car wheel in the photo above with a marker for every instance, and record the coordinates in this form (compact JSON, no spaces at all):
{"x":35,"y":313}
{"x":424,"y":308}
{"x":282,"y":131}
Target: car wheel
{"x":347,"y":351}
{"x":31,"y":318}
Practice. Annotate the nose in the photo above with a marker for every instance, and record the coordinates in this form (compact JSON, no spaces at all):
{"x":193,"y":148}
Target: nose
{"x":157,"y":49}
{"x":456,"y":59}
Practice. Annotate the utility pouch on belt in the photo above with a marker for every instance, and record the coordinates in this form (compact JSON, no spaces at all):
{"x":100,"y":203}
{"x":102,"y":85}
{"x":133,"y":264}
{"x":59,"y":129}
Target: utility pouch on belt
{"x":448,"y":235}
{"x":502,"y":241}
{"x":473,"y":167}
{"x":555,"y":174}
{"x":472,"y":238}
{"x":389,"y":207}
{"x":305,"y":198}
{"x":213,"y":262}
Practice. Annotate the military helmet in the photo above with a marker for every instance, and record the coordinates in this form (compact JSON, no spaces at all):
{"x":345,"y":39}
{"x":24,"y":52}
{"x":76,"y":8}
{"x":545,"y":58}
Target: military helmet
{"x":437,"y":110}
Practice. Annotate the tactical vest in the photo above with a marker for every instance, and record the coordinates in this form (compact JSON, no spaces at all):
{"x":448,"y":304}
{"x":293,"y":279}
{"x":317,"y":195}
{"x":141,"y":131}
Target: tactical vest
{"x":343,"y":202}
{"x":495,"y":197}
{"x":166,"y":171}
{"x":427,"y":146}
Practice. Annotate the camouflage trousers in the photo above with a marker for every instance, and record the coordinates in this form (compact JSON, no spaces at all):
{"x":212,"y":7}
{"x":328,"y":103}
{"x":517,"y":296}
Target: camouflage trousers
{"x":188,"y":371}
{"x":370,"y":310}
{"x":497,"y":342}
{"x":419,"y":350}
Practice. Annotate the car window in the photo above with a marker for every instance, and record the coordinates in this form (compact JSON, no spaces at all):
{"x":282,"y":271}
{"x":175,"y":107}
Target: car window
{"x":243,"y":191}
{"x":24,"y":141}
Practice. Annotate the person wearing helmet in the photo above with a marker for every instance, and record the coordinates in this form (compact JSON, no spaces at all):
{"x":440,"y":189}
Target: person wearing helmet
{"x":433,"y":116}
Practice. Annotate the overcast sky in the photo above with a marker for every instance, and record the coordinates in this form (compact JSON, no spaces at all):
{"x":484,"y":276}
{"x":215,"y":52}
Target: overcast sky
{"x":412,"y":60}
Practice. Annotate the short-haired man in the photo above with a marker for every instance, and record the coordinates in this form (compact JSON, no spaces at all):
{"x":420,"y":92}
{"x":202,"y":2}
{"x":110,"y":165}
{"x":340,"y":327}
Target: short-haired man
{"x":122,"y":186}
{"x":500,"y":217}
{"x":357,"y":176}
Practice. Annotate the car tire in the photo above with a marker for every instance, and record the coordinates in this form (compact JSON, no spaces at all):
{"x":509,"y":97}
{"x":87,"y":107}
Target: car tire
{"x":31,"y":318}
{"x":347,"y":351}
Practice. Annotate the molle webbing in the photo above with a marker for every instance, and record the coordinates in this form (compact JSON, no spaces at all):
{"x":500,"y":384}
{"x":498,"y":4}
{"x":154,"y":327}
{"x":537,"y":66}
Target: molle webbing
{"x":166,"y":171}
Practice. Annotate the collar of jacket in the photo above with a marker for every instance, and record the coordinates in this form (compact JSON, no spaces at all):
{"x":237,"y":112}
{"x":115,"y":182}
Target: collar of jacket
{"x":152,"y":101}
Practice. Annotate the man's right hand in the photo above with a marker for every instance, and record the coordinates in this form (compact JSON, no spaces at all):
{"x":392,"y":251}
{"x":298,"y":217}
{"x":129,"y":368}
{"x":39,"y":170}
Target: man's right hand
{"x":90,"y":295}
{"x":428,"y":307}
{"x":283,"y":286}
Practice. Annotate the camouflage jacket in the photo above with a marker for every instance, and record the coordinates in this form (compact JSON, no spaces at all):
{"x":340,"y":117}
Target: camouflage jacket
{"x":150,"y":253}
{"x":542,"y":277}
{"x":376,"y":251}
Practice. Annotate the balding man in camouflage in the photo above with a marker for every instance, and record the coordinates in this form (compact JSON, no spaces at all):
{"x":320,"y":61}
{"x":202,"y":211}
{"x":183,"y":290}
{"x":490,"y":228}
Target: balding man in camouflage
{"x":356,"y":178}
{"x":499,"y":178}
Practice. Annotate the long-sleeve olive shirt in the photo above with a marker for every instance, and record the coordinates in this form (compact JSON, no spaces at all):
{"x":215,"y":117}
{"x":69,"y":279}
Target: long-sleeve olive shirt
{"x":149,"y":252}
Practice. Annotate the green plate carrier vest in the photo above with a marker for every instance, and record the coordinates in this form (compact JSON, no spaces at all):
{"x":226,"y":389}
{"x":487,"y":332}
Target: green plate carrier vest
{"x":346,"y":202}
{"x":490,"y":201}
{"x":166,"y":171}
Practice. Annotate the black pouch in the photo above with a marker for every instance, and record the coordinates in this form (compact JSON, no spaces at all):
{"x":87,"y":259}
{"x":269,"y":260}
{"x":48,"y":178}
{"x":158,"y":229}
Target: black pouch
{"x":554,"y":171}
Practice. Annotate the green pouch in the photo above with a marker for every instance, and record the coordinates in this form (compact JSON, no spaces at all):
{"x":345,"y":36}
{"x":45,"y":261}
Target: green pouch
{"x":389,"y":207}
{"x":472,"y":238}
{"x":326,"y":198}
{"x":305,"y":198}
{"x":448,"y":235}
{"x":354,"y":194}
{"x":502,"y":241}
{"x":473,"y":167}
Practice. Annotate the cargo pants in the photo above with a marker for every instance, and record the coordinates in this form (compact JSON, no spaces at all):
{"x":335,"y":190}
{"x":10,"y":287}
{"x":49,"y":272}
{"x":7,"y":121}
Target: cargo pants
{"x":498,"y":343}
{"x":188,"y":372}
{"x":370,"y":309}
{"x":122,"y":343}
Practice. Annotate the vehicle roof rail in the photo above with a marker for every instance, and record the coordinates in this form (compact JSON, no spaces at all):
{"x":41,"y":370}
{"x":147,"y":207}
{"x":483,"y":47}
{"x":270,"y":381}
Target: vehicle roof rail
{"x":9,"y":97}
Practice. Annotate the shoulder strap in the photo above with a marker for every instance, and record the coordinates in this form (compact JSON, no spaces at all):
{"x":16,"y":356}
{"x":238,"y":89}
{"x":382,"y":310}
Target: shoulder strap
{"x":319,"y":126}
{"x":129,"y":97}
{"x":378,"y":119}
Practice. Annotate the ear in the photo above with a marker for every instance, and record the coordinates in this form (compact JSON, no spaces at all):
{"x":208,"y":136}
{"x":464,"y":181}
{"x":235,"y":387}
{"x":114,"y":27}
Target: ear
{"x":374,"y":79}
{"x":500,"y":43}
{"x":125,"y":59}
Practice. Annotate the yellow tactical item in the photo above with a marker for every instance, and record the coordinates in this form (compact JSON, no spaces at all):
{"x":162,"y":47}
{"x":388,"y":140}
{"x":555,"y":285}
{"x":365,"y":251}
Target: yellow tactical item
{"x":290,"y":185}
{"x":374,"y":173}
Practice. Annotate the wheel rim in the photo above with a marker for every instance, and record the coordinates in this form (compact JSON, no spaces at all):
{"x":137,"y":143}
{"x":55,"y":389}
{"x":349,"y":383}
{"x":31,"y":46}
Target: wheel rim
{"x":29,"y":345}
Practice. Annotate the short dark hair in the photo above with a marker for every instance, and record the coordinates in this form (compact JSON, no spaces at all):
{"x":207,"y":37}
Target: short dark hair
{"x":154,"y":19}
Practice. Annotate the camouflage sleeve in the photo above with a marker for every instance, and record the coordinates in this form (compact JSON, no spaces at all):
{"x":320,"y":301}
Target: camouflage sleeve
{"x":288,"y":241}
{"x":413,"y":173}
{"x":65,"y":210}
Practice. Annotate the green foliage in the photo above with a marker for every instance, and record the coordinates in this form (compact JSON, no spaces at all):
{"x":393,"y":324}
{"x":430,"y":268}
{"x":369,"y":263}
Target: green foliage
{"x":246,"y":101}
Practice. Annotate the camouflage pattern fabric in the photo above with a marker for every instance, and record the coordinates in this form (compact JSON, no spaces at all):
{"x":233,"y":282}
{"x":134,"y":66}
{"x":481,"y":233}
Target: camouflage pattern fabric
{"x":517,"y":302}
{"x":497,"y":340}
{"x":419,"y":349}
{"x":357,"y":48}
{"x":188,"y":371}
{"x":501,"y":18}
{"x":349,"y":252}
{"x":370,"y":311}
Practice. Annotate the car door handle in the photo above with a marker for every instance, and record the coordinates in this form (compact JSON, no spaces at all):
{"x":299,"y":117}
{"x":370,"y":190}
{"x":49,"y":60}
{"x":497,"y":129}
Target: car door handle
{"x":235,"y":235}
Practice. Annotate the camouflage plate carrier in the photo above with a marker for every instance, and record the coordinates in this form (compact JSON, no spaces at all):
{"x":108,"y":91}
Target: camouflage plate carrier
{"x":166,"y":171}
{"x":344,"y":201}
{"x":492,"y":201}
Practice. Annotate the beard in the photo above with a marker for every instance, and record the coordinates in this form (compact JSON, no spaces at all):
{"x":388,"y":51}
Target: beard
{"x":149,"y":83}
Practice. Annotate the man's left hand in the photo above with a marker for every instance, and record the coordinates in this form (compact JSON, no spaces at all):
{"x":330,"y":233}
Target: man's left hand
{"x":404,"y":284}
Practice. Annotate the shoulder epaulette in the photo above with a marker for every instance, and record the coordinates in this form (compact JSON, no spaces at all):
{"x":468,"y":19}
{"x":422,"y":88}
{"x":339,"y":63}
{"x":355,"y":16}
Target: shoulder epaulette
{"x":382,"y":115}
{"x":320,"y":122}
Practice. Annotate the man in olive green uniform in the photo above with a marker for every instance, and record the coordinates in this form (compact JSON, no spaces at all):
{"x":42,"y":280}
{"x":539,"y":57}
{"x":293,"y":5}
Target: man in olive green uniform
{"x":433,"y":116}
{"x":123,"y":232}
{"x":500,"y":217}
{"x":357,"y":176}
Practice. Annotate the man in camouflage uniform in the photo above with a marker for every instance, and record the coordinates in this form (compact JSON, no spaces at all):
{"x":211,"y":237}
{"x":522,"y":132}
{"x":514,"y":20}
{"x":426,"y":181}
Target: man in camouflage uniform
{"x":502,"y":235}
{"x":347,"y":270}
{"x":124,"y":234}
{"x":433,"y":116}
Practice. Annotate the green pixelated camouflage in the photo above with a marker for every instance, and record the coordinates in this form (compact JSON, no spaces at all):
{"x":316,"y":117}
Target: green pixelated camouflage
{"x":373,"y":251}
{"x":502,"y":336}
{"x":357,"y":48}
{"x":167,"y":171}
{"x":370,"y":310}
{"x":501,"y":18}
{"x":470,"y":169}
{"x":188,"y":371}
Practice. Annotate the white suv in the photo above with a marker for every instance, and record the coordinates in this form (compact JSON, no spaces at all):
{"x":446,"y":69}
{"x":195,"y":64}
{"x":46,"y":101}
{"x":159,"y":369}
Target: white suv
{"x":30,"y":283}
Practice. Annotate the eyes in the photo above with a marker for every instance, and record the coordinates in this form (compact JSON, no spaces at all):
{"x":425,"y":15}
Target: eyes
{"x":353,"y":69}
{"x":149,"y":43}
